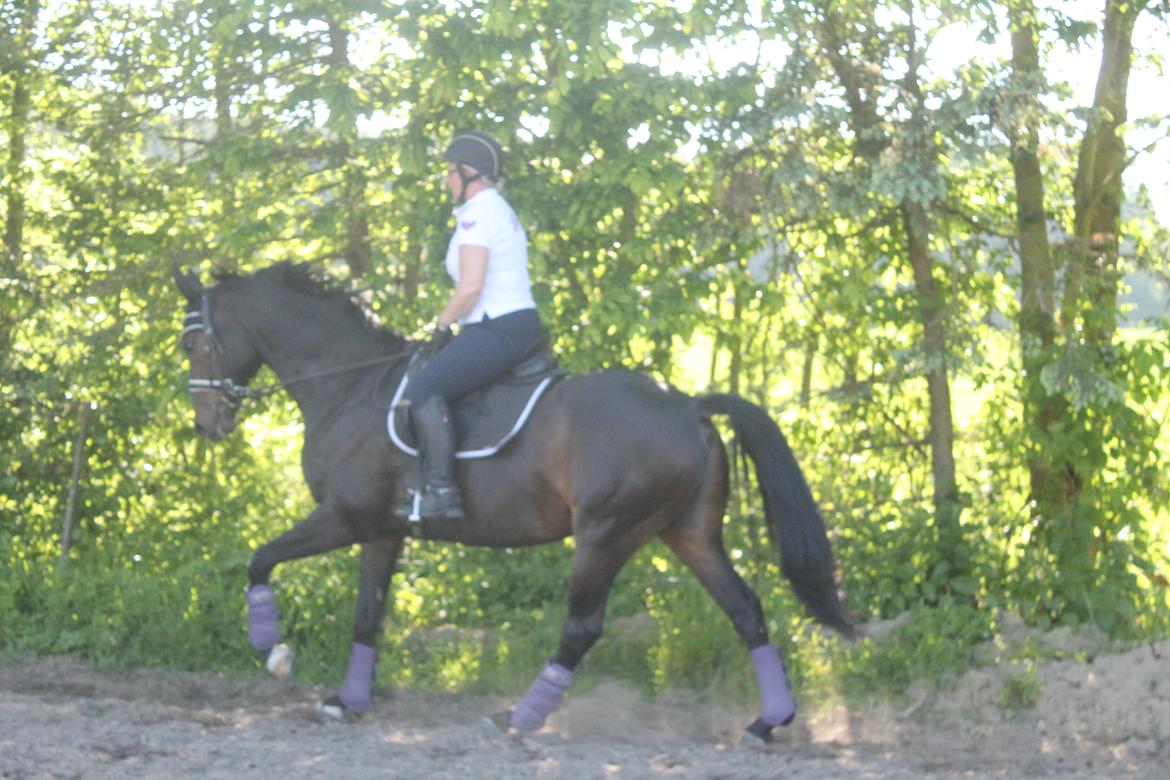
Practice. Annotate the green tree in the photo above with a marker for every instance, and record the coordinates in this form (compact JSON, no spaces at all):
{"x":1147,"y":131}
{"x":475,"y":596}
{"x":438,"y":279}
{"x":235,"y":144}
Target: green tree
{"x":19,"y":69}
{"x":1078,"y":389}
{"x":822,"y":219}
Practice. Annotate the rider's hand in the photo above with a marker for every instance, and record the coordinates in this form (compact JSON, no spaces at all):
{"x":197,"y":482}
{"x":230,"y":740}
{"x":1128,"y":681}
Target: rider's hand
{"x":438,"y":339}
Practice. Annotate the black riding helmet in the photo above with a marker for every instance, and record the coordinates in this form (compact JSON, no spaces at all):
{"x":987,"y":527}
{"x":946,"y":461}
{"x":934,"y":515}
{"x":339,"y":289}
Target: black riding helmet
{"x":479,"y":151}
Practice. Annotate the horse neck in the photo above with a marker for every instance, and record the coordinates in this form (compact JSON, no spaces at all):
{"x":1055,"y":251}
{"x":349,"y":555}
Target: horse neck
{"x":308,"y":342}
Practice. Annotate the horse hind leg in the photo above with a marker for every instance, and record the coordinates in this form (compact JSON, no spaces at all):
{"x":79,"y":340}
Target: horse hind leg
{"x":702,"y":550}
{"x":594,"y":568}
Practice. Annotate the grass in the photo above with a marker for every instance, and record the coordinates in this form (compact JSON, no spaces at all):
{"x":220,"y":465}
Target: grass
{"x":1021,"y":690}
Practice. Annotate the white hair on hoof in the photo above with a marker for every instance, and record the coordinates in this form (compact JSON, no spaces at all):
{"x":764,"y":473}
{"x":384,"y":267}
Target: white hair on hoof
{"x":333,"y":710}
{"x":280,"y":661}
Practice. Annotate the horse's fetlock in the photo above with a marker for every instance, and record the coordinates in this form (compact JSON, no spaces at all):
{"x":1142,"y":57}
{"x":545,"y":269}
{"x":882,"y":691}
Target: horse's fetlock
{"x":576,"y":639}
{"x":258,"y":568}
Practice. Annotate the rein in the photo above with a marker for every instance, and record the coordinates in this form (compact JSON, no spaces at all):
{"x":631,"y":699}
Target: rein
{"x":268,"y":390}
{"x":236,"y":394}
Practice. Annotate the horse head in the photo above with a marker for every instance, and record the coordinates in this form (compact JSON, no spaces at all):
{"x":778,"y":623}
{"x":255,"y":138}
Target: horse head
{"x":221,"y":358}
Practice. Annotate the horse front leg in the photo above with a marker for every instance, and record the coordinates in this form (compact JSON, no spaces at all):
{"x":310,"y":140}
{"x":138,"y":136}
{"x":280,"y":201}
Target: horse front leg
{"x":320,"y":532}
{"x":379,"y":559}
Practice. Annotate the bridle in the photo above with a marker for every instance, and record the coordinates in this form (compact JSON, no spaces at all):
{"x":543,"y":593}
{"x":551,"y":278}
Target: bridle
{"x":235,"y":394}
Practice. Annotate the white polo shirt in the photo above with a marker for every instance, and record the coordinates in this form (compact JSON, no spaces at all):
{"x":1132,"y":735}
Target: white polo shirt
{"x":488,"y":221}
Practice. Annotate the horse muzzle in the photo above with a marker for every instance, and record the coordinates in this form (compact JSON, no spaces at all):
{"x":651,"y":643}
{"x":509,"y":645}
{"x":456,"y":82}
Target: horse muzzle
{"x":214,"y":418}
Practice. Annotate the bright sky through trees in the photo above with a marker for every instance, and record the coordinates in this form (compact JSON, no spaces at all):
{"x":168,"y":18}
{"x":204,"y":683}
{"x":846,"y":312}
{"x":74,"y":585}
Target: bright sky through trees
{"x":951,"y":47}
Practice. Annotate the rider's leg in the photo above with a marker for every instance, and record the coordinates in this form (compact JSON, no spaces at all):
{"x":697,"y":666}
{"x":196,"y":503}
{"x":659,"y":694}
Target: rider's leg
{"x":439,"y":496}
{"x":481,"y":353}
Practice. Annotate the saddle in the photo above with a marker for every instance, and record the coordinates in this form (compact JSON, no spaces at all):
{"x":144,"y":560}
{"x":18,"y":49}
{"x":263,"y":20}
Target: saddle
{"x":486,"y":419}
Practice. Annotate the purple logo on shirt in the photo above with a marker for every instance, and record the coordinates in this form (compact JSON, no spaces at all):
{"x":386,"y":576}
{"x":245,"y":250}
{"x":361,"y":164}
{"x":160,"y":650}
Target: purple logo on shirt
{"x":467,"y":225}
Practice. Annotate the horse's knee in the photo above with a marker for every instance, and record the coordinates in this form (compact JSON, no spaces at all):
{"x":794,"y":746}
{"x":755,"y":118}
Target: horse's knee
{"x":577,"y":637}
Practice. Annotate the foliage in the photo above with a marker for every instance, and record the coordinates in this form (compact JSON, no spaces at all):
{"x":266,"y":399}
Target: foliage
{"x":719,"y":221}
{"x":935,"y":641}
{"x":1021,"y":690}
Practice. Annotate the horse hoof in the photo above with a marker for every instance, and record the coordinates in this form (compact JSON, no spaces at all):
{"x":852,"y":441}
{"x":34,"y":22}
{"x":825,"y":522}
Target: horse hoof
{"x":757,"y":736}
{"x":496,"y":724}
{"x":333,"y":710}
{"x":280,"y":661}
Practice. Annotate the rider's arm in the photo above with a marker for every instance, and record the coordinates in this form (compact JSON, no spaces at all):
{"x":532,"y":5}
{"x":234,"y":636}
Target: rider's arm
{"x":473,"y":263}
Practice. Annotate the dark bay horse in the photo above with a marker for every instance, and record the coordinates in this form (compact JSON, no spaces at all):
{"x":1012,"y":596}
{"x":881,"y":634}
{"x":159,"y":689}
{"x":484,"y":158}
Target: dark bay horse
{"x":614,"y":458}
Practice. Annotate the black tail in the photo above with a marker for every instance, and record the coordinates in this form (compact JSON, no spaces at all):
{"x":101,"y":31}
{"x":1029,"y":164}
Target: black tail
{"x":793,"y":517}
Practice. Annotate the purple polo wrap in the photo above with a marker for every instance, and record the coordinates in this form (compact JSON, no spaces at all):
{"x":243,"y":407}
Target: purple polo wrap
{"x":777,"y":707}
{"x":542,"y":697}
{"x":263,"y":618}
{"x":359,"y":679}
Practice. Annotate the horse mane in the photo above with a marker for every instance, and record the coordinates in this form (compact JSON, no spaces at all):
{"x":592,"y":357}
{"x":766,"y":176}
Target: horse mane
{"x":305,"y":279}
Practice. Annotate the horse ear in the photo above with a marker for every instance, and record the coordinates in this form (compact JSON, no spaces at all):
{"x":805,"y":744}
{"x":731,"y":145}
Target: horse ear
{"x":188,"y":282}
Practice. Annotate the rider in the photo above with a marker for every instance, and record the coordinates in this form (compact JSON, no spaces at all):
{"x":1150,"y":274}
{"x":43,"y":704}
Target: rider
{"x":487,"y":258}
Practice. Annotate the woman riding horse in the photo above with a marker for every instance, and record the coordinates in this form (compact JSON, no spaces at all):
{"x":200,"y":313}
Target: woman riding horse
{"x":487,"y":258}
{"x":613,"y":458}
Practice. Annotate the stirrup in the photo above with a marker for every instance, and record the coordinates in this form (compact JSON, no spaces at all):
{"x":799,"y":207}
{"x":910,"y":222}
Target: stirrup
{"x":406,"y":508}
{"x":430,"y":503}
{"x":440,"y":502}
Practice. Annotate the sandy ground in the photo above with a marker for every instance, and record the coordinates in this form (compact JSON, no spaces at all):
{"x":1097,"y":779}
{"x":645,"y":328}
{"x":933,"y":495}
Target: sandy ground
{"x":61,"y":718}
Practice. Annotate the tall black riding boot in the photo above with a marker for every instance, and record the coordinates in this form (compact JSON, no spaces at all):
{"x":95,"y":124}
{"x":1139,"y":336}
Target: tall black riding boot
{"x":438,"y":496}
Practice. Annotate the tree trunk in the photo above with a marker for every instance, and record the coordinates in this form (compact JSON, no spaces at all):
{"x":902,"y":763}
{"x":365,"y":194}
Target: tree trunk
{"x":19,"y":71}
{"x":1066,"y":445}
{"x":863,"y":91}
{"x":1037,"y":277}
{"x":358,"y":252}
{"x":221,"y":61}
{"x":948,"y":507}
{"x":68,"y":523}
{"x":223,"y":135}
{"x":932,"y":310}
{"x":806,"y":368}
{"x":1090,"y":298}
{"x":735,"y":342}
{"x":1051,"y":492}
{"x":14,"y":211}
{"x":353,"y":186}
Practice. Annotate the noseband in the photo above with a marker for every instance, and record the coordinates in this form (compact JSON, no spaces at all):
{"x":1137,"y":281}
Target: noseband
{"x":201,"y":321}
